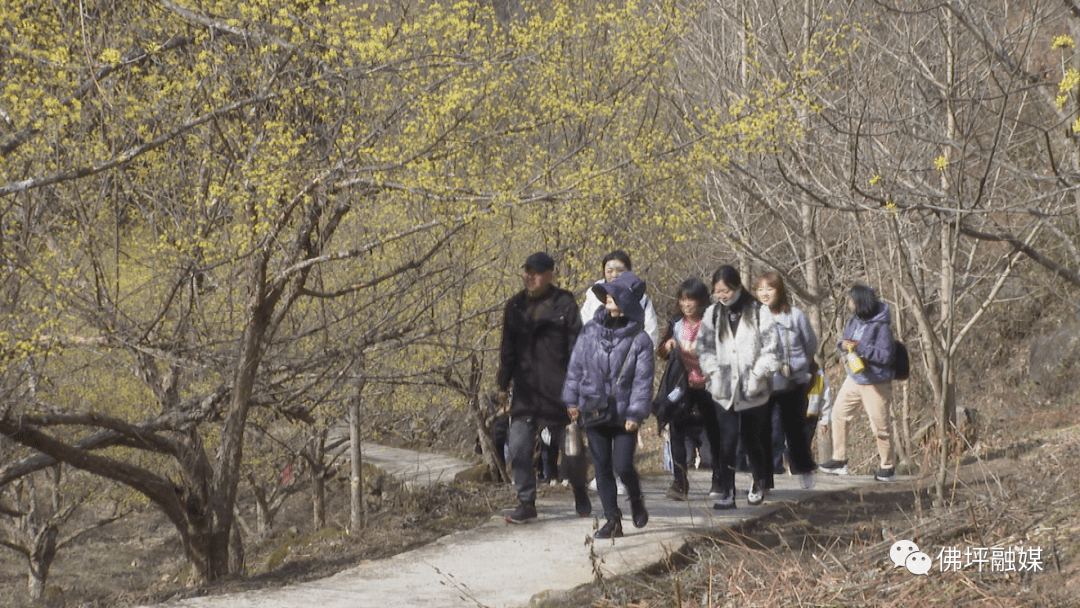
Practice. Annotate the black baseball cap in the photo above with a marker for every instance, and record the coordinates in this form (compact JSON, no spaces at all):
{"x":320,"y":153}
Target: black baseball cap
{"x":539,"y":261}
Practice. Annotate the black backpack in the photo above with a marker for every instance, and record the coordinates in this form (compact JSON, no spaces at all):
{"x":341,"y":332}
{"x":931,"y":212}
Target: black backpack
{"x":666,"y":410}
{"x":901,"y":363}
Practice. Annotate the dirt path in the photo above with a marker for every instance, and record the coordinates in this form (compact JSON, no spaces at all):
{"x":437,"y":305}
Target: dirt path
{"x":499,"y":564}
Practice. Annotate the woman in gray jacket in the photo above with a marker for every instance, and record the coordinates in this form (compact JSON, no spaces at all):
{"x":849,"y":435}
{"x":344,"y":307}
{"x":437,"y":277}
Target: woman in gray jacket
{"x":739,"y":352}
{"x":798,"y":343}
{"x":613,"y":356}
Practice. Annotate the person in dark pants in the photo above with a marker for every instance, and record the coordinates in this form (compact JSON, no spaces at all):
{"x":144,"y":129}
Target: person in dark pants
{"x":739,"y":352}
{"x":613,"y":361}
{"x":698,"y":446}
{"x":540,"y":327}
{"x":693,"y":298}
{"x":776,"y":439}
{"x":798,"y":343}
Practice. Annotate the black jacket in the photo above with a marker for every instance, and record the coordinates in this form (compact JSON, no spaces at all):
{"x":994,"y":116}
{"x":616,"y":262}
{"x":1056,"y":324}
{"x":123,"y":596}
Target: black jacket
{"x":538,"y":336}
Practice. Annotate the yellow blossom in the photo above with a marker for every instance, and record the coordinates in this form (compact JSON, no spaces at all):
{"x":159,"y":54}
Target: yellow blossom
{"x":1069,"y":80}
{"x":110,"y":56}
{"x":1063,"y":41}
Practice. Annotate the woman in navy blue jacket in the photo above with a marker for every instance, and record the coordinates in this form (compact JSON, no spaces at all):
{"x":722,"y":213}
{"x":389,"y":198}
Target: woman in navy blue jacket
{"x":867,"y":351}
{"x":613,"y":356}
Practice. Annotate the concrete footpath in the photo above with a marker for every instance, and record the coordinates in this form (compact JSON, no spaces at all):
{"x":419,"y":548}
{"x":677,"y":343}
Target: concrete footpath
{"x":501,"y":565}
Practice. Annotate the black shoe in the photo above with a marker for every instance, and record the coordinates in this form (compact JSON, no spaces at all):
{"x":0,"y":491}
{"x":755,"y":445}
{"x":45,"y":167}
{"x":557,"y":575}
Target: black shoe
{"x":885,"y":475}
{"x":727,"y":501}
{"x":638,"y":513}
{"x":582,"y":504}
{"x":676,"y":493}
{"x":715,"y":491}
{"x":524,"y":513}
{"x":612,"y":529}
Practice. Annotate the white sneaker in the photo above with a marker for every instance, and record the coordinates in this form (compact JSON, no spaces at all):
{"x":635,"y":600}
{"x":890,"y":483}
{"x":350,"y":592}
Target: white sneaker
{"x":756,"y":494}
{"x":835,"y":467}
{"x":620,"y":487}
{"x":807,"y":481}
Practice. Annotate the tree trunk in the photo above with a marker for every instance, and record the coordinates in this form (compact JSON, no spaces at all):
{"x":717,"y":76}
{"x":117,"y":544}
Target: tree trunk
{"x":946,"y":402}
{"x":40,"y":560}
{"x":318,"y":498}
{"x":356,"y":474}
{"x":264,"y":521}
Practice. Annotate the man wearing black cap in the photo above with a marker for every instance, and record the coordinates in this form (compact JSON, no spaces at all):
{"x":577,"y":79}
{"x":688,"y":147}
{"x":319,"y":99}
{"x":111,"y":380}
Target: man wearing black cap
{"x":540,"y":326}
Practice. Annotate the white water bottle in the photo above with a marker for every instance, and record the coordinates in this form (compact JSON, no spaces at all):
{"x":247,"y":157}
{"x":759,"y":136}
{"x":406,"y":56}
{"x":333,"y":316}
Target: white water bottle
{"x":572,"y":440}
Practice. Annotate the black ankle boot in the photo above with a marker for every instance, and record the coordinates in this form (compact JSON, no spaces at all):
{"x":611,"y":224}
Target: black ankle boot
{"x":638,"y":512}
{"x":582,"y":504}
{"x":612,"y":529}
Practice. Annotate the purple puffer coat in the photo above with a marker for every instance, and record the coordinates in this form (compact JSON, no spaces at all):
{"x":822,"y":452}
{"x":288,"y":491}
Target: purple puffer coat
{"x":601,"y":350}
{"x":875,"y":346}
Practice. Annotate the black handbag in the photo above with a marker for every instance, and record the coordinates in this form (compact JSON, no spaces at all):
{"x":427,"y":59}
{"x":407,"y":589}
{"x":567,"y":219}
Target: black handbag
{"x":670,"y":406}
{"x":599,"y":411}
{"x":603,"y":411}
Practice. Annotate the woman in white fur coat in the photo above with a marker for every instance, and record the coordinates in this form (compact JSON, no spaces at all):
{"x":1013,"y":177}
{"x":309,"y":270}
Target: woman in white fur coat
{"x":739,"y":352}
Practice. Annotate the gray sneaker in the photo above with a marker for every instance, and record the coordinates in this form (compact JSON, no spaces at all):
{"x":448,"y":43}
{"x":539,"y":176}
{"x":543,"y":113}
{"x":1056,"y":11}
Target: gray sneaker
{"x":727,"y":501}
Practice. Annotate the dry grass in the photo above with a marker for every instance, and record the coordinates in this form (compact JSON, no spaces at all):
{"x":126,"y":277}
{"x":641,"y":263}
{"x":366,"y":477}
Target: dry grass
{"x":834,"y":551}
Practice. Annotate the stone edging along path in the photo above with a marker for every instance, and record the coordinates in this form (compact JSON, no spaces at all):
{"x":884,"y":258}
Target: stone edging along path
{"x":502,"y":565}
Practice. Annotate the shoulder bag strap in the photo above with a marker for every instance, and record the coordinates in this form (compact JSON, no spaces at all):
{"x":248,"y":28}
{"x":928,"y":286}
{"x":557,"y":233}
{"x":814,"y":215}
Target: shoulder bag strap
{"x":626,"y":361}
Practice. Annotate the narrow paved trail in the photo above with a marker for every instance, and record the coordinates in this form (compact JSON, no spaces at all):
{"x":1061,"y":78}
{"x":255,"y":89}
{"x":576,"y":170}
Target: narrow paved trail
{"x":501,"y":565}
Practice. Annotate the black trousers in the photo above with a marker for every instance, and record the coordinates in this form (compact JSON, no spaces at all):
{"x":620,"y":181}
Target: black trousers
{"x":755,"y":429}
{"x":689,"y":436}
{"x":612,"y":449}
{"x":722,"y":429}
{"x":792,"y":407}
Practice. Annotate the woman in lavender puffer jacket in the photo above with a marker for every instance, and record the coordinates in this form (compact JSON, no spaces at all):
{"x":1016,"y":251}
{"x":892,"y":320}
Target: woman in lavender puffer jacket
{"x":613,"y":356}
{"x":869,"y":337}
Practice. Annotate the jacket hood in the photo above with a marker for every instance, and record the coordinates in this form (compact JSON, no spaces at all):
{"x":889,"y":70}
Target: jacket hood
{"x":882,"y":315}
{"x":627,"y":290}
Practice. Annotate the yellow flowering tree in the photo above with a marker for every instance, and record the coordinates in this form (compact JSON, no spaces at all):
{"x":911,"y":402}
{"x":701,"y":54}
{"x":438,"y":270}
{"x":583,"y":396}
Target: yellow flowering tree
{"x":218,"y":213}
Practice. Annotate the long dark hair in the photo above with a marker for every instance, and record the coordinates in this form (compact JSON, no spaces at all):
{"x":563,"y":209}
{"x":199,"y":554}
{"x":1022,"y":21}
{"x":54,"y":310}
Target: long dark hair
{"x":729,"y":275}
{"x":696,"y":290}
{"x":866,"y":302}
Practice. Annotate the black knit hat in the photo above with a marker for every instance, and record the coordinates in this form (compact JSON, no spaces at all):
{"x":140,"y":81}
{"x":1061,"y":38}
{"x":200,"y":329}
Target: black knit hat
{"x":539,"y":261}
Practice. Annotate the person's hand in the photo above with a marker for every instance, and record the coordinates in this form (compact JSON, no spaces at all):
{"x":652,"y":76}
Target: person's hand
{"x":631,"y":426}
{"x":666,"y":347}
{"x":502,"y":398}
{"x":574,"y":413}
{"x":850,"y":344}
{"x":823,"y":429}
